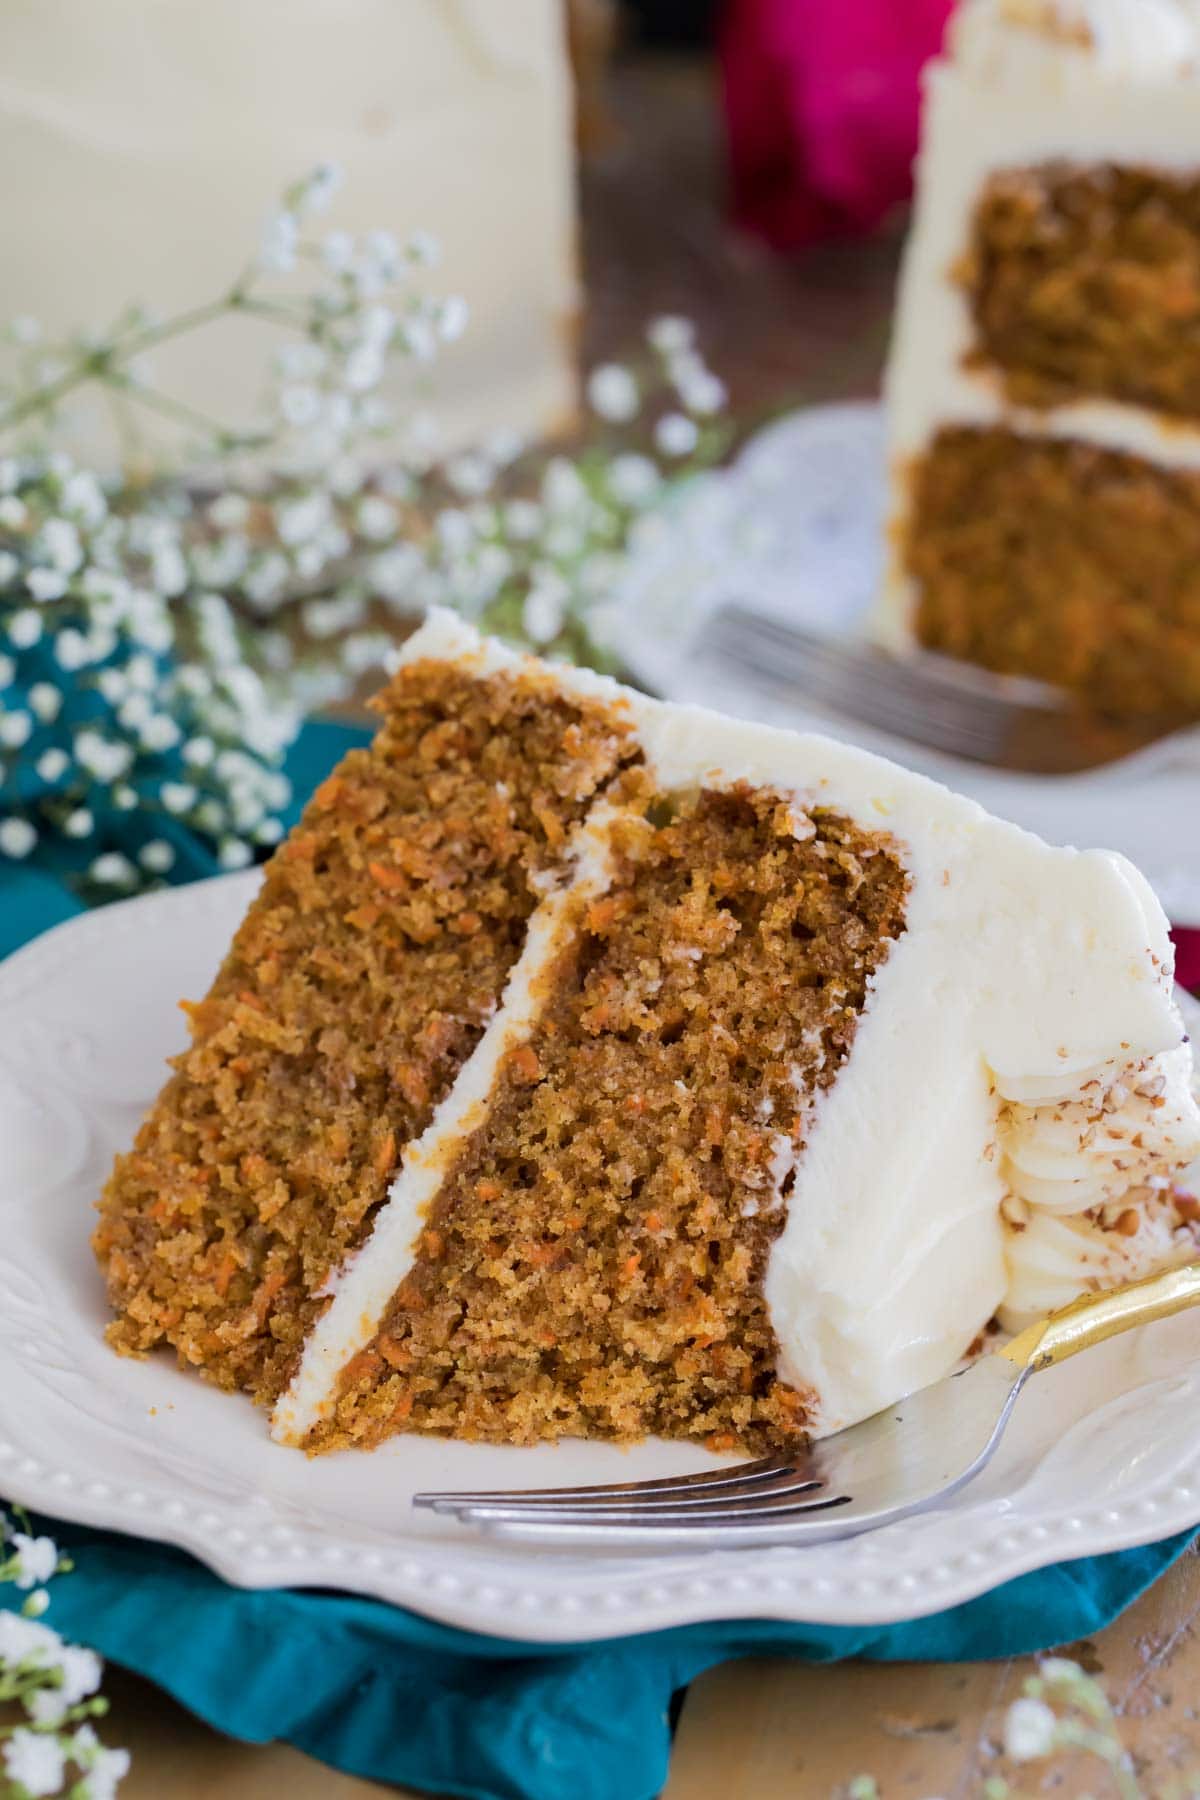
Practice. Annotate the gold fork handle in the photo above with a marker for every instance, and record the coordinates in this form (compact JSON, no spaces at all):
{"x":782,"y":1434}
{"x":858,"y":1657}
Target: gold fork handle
{"x":1095,"y":1317}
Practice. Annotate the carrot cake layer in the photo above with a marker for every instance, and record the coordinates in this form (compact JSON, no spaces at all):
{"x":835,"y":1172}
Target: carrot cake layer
{"x":1050,"y":293}
{"x":622,"y":1069}
{"x":1056,"y":559}
{"x":361,"y":980}
{"x":593,"y":1263}
{"x":1084,"y":282}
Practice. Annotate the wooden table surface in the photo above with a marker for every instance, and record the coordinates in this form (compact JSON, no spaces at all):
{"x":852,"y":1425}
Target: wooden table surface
{"x":811,"y":329}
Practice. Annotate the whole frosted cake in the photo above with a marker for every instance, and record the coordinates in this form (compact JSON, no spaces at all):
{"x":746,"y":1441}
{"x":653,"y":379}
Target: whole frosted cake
{"x":146,"y":142}
{"x":1043,"y":390}
{"x":590,"y":1065}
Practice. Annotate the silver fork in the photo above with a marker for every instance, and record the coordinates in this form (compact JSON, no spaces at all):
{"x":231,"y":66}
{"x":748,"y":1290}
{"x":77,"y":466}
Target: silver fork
{"x":1004,"y":721}
{"x":903,"y":1461}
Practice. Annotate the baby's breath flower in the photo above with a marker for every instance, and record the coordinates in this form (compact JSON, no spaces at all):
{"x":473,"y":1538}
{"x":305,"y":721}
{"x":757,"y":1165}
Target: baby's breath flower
{"x":24,"y":1642}
{"x":53,"y":763}
{"x":17,"y":838}
{"x":24,"y":629}
{"x":79,"y":823}
{"x":104,"y":1770}
{"x":419,"y":337}
{"x":169,"y":570}
{"x":112,"y":869}
{"x":198,"y":751}
{"x":670,"y":334}
{"x":422,"y":250}
{"x":470,"y":475}
{"x":36,"y":1559}
{"x":702,"y":393}
{"x":79,"y":1675}
{"x":562,"y":485}
{"x":14,"y":514}
{"x":158,"y":856}
{"x":45,"y":699}
{"x":376,"y":519}
{"x":300,"y":405}
{"x":46,"y":584}
{"x":1030,"y":1730}
{"x":16,"y":728}
{"x":613,"y":393}
{"x":315,"y":192}
{"x":159,"y":733}
{"x":34,"y":1762}
{"x":83,"y":498}
{"x":300,"y":519}
{"x":279,"y":242}
{"x":676,"y":434}
{"x":522,"y":520}
{"x":58,"y":541}
{"x":393,"y":573}
{"x":383,"y":249}
{"x":177,"y":796}
{"x":364,"y":368}
{"x":9,"y":567}
{"x":503,"y":446}
{"x":337,"y":251}
{"x":453,"y":318}
{"x":545,"y":607}
{"x":454,"y":530}
{"x":233,"y":853}
{"x":633,"y":480}
{"x":8,"y":671}
{"x":264,"y":584}
{"x":228,"y":512}
{"x":71,"y":649}
{"x":134,"y":712}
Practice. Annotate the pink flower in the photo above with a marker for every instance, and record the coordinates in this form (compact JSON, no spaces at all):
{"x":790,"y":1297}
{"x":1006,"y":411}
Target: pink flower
{"x":1187,"y":959}
{"x":822,"y":104}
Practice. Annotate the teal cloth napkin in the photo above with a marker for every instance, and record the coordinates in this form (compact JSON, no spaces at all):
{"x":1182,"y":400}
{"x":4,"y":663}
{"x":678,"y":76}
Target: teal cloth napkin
{"x":383,"y":1693}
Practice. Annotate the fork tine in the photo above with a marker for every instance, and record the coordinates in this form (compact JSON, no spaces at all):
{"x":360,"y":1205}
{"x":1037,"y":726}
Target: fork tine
{"x":945,"y":709}
{"x":765,"y":1468}
{"x":603,"y":1501}
{"x":887,"y":699}
{"x":701,"y":1517}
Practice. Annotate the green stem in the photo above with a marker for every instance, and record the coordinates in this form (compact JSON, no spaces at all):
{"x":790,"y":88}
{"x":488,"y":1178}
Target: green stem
{"x":277,"y":310}
{"x":183,"y":414}
{"x":99,"y":365}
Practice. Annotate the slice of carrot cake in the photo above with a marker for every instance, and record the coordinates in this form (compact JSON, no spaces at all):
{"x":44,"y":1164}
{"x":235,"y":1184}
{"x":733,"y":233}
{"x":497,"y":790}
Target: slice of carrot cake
{"x":1043,"y":389}
{"x":588,"y":1065}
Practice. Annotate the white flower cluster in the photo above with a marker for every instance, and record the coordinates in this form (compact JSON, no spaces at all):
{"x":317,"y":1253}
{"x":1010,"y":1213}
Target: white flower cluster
{"x":124,"y":686}
{"x":161,"y":640}
{"x":56,"y":1685}
{"x":1062,"y":1708}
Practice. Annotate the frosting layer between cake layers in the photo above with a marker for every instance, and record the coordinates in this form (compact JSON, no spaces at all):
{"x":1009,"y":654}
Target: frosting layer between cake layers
{"x":1018,"y":1073}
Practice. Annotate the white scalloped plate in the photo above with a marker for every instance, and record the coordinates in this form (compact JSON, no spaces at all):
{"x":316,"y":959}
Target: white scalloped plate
{"x":795,"y":528}
{"x":1103,"y":1453}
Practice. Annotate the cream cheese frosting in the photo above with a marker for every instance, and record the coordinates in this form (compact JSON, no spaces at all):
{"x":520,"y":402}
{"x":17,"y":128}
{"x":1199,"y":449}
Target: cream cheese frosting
{"x":1020,"y":1070}
{"x":1142,"y":40}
